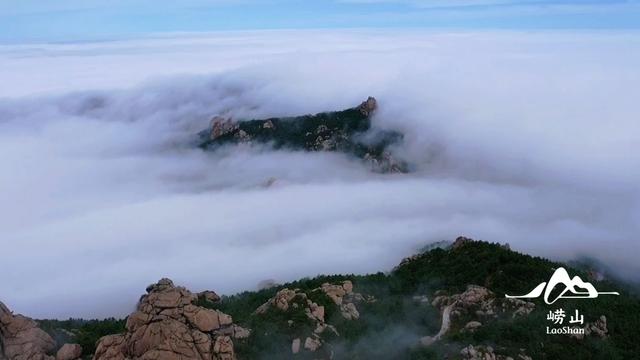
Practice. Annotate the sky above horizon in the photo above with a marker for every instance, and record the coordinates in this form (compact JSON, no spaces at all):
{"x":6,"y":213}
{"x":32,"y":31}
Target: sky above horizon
{"x":78,"y":20}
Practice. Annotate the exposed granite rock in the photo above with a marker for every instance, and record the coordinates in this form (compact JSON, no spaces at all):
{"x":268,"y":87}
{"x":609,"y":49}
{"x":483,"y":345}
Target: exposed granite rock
{"x":347,"y":131}
{"x":22,"y":339}
{"x":518,"y":306}
{"x":597,"y":328}
{"x":221,"y":126}
{"x":349,"y":311}
{"x":111,"y":347}
{"x":478,"y":353}
{"x":209,"y":296}
{"x":346,"y":299}
{"x":289,"y":302}
{"x":168,"y":325}
{"x":295,"y":305}
{"x":295,"y":346}
{"x":368,"y":106}
{"x":286,"y":299}
{"x":69,"y":352}
{"x":472,"y":326}
{"x":460,"y":241}
{"x":312,"y":344}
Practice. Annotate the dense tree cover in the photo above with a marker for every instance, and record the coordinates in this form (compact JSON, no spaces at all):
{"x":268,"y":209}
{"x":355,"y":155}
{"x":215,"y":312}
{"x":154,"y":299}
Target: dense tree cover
{"x":83,"y":332}
{"x":391,"y":326}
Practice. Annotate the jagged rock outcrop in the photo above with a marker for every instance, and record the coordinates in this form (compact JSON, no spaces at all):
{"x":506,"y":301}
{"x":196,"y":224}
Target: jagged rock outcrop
{"x":290,"y":302}
{"x":460,"y":241}
{"x":167,"y":325}
{"x":368,"y":106}
{"x":345,"y":298}
{"x":345,"y":131}
{"x":22,"y":339}
{"x":209,"y":296}
{"x":297,"y":306}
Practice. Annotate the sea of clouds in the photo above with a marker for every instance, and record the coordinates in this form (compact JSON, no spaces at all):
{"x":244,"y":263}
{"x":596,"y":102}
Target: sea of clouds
{"x":525,"y":138}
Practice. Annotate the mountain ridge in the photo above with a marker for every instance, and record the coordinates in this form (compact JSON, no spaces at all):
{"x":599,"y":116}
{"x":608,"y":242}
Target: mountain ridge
{"x":445,"y":302}
{"x":348,"y":131}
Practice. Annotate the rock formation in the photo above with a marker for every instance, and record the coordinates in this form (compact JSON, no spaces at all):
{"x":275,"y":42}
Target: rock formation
{"x":295,"y":305}
{"x":460,"y":241}
{"x":22,"y":339}
{"x":368,"y":106}
{"x":289,"y":302}
{"x":348,"y":131}
{"x":69,"y":352}
{"x":476,"y":302}
{"x":344,"y":297}
{"x":167,"y":325}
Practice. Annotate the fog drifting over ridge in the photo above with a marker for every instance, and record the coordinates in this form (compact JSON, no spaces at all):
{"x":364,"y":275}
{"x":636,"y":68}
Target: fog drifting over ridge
{"x":526,"y":138}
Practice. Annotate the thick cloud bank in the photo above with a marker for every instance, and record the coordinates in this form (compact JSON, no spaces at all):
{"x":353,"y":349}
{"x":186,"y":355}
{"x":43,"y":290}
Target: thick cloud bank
{"x":530,"y":139}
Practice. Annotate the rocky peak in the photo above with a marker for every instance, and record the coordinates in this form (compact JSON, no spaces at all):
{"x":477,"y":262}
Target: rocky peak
{"x":460,"y":241}
{"x":346,"y":131}
{"x":168,"y":325}
{"x":368,"y":106}
{"x":220,"y":126}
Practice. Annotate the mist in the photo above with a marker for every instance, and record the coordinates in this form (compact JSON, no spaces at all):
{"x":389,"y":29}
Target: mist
{"x":525,"y":138}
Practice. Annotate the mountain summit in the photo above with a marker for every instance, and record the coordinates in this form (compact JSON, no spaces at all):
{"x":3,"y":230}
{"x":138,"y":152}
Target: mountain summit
{"x":348,"y":131}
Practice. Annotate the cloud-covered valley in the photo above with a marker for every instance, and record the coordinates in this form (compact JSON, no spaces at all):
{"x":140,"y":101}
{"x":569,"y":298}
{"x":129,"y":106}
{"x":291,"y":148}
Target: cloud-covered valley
{"x":525,"y":138}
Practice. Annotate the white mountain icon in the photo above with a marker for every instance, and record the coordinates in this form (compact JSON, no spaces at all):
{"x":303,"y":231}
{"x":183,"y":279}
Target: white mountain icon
{"x":577,"y":288}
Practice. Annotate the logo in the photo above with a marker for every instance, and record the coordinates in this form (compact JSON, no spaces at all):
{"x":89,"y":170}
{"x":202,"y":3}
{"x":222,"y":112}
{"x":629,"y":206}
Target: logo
{"x":576,"y":288}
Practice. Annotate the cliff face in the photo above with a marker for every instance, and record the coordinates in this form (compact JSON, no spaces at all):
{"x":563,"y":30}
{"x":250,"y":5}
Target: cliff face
{"x":340,"y":131}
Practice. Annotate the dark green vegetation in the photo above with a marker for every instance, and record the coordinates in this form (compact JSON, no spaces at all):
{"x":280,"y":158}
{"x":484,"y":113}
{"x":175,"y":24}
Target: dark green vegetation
{"x":504,"y":271}
{"x":390,"y":327}
{"x":348,"y":131}
{"x":83,"y":332}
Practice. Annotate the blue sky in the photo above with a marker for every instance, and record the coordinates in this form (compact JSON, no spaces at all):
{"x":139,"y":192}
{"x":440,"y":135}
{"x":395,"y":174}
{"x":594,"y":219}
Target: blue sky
{"x":71,"y":20}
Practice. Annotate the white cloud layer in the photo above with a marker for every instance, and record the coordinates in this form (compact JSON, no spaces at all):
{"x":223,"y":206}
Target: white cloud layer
{"x":529,"y":139}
